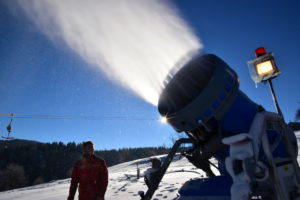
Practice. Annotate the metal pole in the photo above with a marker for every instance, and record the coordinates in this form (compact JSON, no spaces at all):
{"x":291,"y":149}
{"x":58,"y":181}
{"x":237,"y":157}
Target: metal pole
{"x":275,"y":99}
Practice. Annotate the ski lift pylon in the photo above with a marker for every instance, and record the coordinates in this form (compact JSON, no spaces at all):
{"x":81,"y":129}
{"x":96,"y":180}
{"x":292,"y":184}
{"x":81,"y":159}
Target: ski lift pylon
{"x":9,"y":129}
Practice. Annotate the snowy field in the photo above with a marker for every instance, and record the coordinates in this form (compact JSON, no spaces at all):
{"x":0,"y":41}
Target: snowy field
{"x":123,"y":182}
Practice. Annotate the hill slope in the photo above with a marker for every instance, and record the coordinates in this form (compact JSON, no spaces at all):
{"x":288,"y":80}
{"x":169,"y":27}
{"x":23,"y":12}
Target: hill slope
{"x":123,"y":183}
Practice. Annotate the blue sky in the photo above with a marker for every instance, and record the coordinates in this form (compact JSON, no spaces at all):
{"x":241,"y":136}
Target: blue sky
{"x":42,"y":77}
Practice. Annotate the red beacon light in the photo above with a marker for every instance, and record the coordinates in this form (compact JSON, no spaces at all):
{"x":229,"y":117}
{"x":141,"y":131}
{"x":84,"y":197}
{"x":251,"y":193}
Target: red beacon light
{"x":260,"y":51}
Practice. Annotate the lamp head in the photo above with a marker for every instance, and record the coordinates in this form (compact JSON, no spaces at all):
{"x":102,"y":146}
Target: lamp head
{"x":263,"y":67}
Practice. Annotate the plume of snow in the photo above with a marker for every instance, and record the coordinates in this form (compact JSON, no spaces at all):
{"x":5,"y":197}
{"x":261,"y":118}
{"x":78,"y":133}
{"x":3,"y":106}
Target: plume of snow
{"x":134,"y":42}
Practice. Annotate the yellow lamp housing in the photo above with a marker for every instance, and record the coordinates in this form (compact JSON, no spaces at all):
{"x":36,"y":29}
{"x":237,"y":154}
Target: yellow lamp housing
{"x":263,"y":68}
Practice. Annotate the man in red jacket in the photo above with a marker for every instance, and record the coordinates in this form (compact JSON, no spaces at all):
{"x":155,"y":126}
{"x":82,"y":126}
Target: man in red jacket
{"x":91,"y":174}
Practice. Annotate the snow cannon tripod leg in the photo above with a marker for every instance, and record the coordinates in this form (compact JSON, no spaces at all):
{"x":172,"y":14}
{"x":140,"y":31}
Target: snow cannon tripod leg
{"x":153,"y":187}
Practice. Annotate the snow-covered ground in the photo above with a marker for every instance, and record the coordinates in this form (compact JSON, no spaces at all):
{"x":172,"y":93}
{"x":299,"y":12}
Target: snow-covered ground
{"x":123,"y":182}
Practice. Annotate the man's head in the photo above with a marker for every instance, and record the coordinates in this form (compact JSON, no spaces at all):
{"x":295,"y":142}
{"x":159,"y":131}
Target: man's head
{"x":156,"y":163}
{"x":88,"y":148}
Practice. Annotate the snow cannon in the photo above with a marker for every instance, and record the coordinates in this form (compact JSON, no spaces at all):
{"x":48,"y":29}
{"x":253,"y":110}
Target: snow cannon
{"x":255,"y":149}
{"x":203,"y":99}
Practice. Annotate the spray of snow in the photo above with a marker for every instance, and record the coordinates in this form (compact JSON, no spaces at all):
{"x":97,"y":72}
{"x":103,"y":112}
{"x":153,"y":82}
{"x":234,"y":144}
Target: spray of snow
{"x":134,"y":42}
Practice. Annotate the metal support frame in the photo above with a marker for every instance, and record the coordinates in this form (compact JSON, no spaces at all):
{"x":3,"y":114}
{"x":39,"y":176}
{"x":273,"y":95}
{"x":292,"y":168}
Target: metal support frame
{"x":286,"y":138}
{"x":165,"y":166}
{"x":293,"y":159}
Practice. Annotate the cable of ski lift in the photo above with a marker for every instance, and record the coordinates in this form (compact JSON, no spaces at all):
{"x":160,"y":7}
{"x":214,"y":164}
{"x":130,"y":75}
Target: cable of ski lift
{"x":76,"y":117}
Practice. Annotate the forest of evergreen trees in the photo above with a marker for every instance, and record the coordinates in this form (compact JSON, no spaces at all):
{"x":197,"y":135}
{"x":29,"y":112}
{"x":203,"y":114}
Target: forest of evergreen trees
{"x":25,"y":163}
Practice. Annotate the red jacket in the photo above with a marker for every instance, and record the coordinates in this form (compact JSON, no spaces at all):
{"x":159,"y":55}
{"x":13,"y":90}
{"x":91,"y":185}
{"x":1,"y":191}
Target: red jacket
{"x":92,"y":176}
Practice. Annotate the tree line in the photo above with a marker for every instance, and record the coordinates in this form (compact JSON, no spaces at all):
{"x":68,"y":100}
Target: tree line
{"x":25,"y":163}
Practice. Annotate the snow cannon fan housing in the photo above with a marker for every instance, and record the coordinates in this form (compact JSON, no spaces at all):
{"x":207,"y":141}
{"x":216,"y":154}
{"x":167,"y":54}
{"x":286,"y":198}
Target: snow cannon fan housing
{"x":200,"y":92}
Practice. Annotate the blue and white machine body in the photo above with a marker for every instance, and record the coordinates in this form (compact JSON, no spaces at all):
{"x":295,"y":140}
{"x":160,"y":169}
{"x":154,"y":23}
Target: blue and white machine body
{"x":204,"y":101}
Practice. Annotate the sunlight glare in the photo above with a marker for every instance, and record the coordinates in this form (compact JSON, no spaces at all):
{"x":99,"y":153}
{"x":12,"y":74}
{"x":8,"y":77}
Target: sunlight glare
{"x":163,"y":120}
